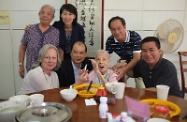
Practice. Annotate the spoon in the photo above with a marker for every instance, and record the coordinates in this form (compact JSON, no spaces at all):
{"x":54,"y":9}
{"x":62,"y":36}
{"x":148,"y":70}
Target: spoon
{"x":70,"y":88}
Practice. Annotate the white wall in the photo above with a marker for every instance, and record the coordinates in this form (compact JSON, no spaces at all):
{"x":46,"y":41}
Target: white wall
{"x":143,"y":16}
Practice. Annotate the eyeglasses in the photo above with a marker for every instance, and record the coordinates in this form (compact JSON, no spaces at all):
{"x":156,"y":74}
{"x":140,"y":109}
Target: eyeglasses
{"x":50,"y":58}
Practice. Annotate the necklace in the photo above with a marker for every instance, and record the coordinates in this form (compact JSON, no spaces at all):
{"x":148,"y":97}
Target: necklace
{"x":50,"y":81}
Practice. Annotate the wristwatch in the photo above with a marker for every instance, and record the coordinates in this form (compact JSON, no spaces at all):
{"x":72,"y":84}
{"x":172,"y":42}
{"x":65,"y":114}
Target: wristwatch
{"x":20,"y":64}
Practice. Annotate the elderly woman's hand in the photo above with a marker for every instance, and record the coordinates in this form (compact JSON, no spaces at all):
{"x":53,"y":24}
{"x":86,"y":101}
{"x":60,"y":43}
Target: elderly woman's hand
{"x":95,"y":66}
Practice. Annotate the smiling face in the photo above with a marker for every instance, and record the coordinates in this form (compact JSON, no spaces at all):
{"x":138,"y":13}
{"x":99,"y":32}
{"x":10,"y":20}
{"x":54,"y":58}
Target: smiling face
{"x":49,"y":61}
{"x":118,"y":30}
{"x":103,"y":61}
{"x":150,"y":53}
{"x":46,"y":15}
{"x":78,"y":53}
{"x":67,"y":17}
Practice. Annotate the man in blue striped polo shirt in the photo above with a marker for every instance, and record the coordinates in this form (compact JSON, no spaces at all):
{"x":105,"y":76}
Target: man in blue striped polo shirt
{"x":126,"y":44}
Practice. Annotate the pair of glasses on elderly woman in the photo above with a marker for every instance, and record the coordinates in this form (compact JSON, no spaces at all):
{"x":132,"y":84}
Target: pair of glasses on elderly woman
{"x":50,"y":58}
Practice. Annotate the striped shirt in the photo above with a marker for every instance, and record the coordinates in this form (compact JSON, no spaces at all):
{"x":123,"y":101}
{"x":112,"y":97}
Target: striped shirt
{"x":126,"y":50}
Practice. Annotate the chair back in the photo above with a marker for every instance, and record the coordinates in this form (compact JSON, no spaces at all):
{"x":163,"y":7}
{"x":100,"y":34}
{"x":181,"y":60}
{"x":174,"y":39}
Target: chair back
{"x":183,"y":69}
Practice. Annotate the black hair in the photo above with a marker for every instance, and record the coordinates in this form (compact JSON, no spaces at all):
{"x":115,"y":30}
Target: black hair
{"x":79,"y":42}
{"x":71,"y":9}
{"x":116,"y":18}
{"x":151,"y":39}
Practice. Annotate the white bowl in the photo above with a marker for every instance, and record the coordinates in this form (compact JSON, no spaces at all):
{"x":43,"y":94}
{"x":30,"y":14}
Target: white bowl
{"x":21,"y":98}
{"x":68,"y":96}
{"x":9,"y":109}
{"x":158,"y":120}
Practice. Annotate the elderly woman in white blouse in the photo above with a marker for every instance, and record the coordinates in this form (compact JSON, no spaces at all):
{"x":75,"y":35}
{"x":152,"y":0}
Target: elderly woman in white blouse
{"x":42,"y":77}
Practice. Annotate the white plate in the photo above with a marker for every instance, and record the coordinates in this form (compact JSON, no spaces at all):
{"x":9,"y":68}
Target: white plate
{"x":158,"y":120}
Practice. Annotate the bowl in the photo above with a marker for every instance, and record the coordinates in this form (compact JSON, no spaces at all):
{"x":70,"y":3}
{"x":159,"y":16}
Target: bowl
{"x":9,"y":109}
{"x":68,"y":96}
{"x":21,"y":98}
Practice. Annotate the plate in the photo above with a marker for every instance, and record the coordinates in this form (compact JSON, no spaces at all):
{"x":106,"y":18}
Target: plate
{"x":174,"y":109}
{"x":157,"y":120}
{"x":82,"y":90}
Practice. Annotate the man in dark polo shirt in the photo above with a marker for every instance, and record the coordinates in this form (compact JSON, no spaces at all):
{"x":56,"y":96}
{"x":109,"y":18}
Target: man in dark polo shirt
{"x":154,"y":69}
{"x":126,"y":44}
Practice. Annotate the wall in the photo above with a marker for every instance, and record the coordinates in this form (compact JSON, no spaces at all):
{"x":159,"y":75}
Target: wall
{"x":143,"y":16}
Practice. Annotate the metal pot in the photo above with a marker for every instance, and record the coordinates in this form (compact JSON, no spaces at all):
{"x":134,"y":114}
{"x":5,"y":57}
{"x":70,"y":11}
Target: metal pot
{"x":45,"y":112}
{"x":9,"y":109}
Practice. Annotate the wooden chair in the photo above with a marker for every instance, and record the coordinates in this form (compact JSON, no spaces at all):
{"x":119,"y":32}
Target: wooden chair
{"x":183,"y":69}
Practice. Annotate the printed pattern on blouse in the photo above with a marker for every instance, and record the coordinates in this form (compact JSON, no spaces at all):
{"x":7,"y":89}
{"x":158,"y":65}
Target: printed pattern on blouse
{"x":34,"y":40}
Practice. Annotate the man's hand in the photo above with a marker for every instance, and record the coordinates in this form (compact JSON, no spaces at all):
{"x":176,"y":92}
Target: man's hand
{"x":119,"y":65}
{"x":21,"y":71}
{"x":83,"y":77}
{"x":120,"y":72}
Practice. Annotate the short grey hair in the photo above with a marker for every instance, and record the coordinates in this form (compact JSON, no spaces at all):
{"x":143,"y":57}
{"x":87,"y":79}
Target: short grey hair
{"x":102,"y":51}
{"x":47,"y":5}
{"x":42,"y":53}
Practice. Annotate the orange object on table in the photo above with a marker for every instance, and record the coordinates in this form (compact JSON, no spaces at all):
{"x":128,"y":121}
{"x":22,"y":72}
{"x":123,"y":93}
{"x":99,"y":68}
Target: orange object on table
{"x":161,"y":111}
{"x":101,"y":91}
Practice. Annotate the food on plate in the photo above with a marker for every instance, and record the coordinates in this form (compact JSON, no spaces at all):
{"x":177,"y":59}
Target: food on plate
{"x":160,"y":108}
{"x":82,"y":90}
{"x":85,"y":92}
{"x":161,"y":111}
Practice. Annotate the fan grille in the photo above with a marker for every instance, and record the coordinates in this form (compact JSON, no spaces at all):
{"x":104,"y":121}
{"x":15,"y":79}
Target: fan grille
{"x":170,"y":34}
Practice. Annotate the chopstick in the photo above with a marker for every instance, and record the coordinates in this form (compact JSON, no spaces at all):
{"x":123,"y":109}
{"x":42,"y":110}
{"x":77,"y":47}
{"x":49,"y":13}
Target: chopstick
{"x":85,"y":67}
{"x":89,"y":86}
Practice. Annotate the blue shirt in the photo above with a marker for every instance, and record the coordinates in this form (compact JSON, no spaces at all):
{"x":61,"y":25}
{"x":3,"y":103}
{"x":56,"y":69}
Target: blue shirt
{"x":76,"y":70}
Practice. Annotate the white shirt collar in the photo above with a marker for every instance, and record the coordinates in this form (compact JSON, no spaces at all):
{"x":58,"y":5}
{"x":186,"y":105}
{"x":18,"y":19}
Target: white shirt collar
{"x":127,"y":37}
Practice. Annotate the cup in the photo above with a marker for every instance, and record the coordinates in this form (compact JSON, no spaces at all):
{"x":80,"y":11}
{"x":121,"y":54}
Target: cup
{"x":36,"y":99}
{"x":162,"y":92}
{"x":110,"y":87}
{"x":118,"y":89}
